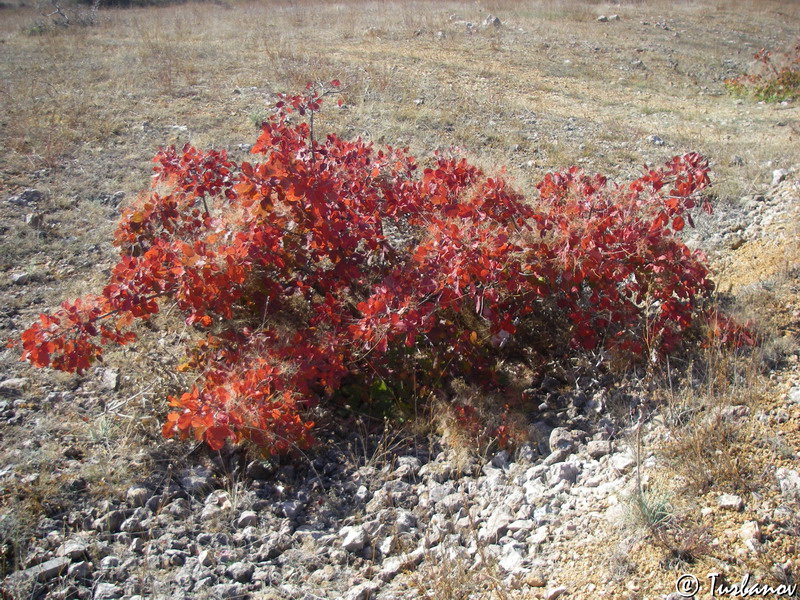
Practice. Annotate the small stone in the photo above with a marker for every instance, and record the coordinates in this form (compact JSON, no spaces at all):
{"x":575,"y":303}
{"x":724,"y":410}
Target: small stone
{"x":20,"y":278}
{"x":291,"y":509}
{"x":258,"y":470}
{"x":751,"y":530}
{"x":80,"y":570}
{"x":248,"y":518}
{"x":730,"y":502}
{"x":500,"y":460}
{"x":137,"y":495}
{"x":598,"y":448}
{"x":789,"y":482}
{"x":392,"y":567}
{"x":228,"y":590}
{"x":353,"y":538}
{"x":794,"y":394}
{"x":495,"y":527}
{"x":363,"y":591}
{"x":536,"y":580}
{"x":73,"y":549}
{"x":44,"y":571}
{"x":779,"y":176}
{"x":362,"y":494}
{"x":562,"y":438}
{"x":107,"y":591}
{"x":241,"y":571}
{"x":512,"y":562}
{"x":111,"y":522}
{"x":179,"y":508}
{"x":562,"y":472}
{"x":217,"y":503}
{"x":521,"y":525}
{"x":622,"y":462}
{"x":137,"y":545}
{"x":110,"y":380}
{"x":132,"y":525}
{"x":386,"y":547}
{"x":554,"y":593}
{"x":408,"y":467}
{"x":451,"y":503}
{"x":109,"y":562}
{"x":13,"y":386}
{"x":405,"y":521}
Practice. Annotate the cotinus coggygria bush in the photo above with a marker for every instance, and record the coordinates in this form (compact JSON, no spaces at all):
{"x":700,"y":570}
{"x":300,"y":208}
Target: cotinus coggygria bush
{"x":328,"y":262}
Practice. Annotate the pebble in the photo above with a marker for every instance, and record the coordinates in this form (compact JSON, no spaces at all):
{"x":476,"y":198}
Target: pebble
{"x":730,"y":502}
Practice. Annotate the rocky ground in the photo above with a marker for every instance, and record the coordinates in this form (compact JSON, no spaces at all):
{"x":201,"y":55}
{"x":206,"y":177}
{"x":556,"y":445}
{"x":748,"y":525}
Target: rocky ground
{"x":581,"y":510}
{"x":618,"y":486}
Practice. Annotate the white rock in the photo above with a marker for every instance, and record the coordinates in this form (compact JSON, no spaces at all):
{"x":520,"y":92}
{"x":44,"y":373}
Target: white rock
{"x":405,"y":521}
{"x":779,"y":175}
{"x":395,"y":565}
{"x":353,"y":538}
{"x":521,"y":524}
{"x":540,"y":536}
{"x":751,"y":530}
{"x":363,"y":591}
{"x":15,"y":384}
{"x":206,"y":558}
{"x":794,"y":395}
{"x":512,"y":562}
{"x":496,"y":526}
{"x":598,"y":448}
{"x":622,"y":462}
{"x":562,"y":438}
{"x":110,"y":380}
{"x":789,"y":480}
{"x":730,"y":502}
{"x":562,"y":472}
{"x":248,"y":518}
{"x":106,"y":591}
{"x":554,"y":593}
{"x":452,"y":503}
{"x":73,"y":549}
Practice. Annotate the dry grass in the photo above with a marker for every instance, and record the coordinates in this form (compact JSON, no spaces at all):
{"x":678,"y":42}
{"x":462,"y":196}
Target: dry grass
{"x":550,"y":80}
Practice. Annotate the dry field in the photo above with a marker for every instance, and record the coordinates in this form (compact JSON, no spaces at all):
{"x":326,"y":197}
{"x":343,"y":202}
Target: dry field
{"x":85,"y":107}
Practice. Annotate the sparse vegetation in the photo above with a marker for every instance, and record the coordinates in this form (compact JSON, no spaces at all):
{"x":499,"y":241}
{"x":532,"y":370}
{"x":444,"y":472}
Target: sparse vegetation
{"x":775,"y":78}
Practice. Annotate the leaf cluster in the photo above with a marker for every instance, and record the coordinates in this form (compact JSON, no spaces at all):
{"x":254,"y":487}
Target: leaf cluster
{"x":329,"y":262}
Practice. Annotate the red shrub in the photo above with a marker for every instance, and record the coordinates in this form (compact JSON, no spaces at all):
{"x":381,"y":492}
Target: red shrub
{"x":331,"y":261}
